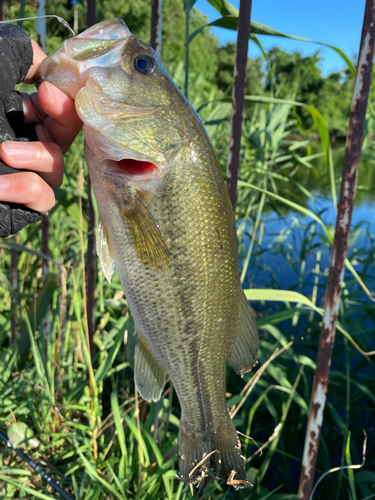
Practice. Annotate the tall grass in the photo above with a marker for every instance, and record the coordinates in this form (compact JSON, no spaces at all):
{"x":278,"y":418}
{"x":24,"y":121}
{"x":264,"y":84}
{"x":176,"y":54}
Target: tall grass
{"x":96,"y":436}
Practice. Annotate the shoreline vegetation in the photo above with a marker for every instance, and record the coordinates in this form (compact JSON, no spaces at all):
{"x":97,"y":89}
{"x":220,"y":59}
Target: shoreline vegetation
{"x":100,"y":440}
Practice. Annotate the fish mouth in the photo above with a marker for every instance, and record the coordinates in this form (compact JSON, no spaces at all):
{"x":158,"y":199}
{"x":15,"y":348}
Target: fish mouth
{"x":137,"y":167}
{"x":134,"y":169}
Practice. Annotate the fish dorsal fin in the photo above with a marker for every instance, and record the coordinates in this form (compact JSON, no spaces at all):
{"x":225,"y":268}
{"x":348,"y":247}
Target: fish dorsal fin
{"x":245,"y":350}
{"x":102,"y":249}
{"x":146,"y":236}
{"x":149,"y":377}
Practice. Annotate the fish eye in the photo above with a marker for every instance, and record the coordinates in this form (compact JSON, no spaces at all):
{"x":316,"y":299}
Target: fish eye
{"x":144,"y":64}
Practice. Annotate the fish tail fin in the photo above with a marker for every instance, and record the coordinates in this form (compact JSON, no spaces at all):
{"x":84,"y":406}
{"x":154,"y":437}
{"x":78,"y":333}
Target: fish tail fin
{"x":219,"y":451}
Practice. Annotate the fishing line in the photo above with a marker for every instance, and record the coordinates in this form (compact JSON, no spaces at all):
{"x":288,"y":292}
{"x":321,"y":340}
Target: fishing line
{"x":37,"y":469}
{"x":60,"y":19}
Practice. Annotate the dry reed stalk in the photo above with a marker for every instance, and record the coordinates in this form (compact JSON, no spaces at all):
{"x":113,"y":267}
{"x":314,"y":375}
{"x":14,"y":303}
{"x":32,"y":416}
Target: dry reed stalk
{"x":14,"y":285}
{"x":238,"y":97}
{"x":86,"y":327}
{"x":339,"y":249}
{"x":156,"y":25}
{"x":91,"y":250}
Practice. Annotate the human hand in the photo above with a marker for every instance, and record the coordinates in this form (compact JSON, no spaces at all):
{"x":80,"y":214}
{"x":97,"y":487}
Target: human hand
{"x":57,"y":126}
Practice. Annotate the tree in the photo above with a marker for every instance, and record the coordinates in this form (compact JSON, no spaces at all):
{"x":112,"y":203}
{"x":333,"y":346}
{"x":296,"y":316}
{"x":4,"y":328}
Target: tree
{"x":226,"y":56}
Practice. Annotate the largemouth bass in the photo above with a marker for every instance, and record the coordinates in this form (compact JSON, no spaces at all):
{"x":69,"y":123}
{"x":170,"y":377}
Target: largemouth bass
{"x":167,"y":227}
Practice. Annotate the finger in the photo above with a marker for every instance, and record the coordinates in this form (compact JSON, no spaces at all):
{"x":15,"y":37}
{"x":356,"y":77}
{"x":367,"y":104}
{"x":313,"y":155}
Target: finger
{"x":56,"y":113}
{"x":43,"y":157}
{"x":27,"y":188}
{"x":38,"y":57}
{"x":49,"y":101}
{"x":32,"y":109}
{"x":62,"y":122}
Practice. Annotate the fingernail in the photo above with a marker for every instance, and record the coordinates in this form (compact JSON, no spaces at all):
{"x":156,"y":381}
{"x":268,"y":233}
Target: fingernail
{"x":20,"y":151}
{"x":4,"y":184}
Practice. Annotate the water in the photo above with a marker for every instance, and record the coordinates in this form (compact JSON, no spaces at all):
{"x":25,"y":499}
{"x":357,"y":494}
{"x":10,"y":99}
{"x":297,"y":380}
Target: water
{"x":286,"y":258}
{"x":287,"y":255}
{"x":294,"y":254}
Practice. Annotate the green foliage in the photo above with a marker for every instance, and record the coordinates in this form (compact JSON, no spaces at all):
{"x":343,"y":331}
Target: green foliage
{"x":226,"y":55}
{"x":95,"y":436}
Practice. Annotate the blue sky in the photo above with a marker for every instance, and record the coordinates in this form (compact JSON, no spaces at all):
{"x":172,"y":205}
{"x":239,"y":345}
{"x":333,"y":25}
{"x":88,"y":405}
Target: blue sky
{"x":336,"y":22}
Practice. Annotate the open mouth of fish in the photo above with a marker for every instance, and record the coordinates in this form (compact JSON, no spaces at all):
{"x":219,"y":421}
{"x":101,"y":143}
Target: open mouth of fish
{"x":129,"y":167}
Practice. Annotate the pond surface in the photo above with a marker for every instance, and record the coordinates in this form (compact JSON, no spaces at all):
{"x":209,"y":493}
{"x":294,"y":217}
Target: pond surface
{"x":293,"y":253}
{"x":291,"y":245}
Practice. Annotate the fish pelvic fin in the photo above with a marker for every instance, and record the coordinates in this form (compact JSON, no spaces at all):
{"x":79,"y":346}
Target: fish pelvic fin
{"x":245,"y":349}
{"x":149,"y":376}
{"x":103,"y":251}
{"x":146,"y":236}
{"x":219,"y":451}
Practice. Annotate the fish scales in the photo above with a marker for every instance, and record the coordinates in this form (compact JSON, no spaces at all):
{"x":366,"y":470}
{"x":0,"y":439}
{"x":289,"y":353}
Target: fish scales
{"x":189,"y":305}
{"x":169,"y":231}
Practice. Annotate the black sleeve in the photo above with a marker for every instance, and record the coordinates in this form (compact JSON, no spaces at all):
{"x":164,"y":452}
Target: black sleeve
{"x":16,"y":57}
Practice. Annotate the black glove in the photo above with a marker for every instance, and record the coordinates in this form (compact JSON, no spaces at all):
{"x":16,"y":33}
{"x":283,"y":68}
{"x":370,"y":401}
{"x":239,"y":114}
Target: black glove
{"x":16,"y":57}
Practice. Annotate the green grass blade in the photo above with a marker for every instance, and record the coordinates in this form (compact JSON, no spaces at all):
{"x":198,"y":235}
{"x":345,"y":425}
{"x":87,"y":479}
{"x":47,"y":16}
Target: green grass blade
{"x":278,"y":316}
{"x":359,"y":279}
{"x":322,"y":129}
{"x":269,"y":495}
{"x":291,"y":204}
{"x":262,"y":29}
{"x":96,"y":477}
{"x":224,"y":8}
{"x":118,"y":424}
{"x":155,"y":448}
{"x":191,"y":4}
{"x":31,"y":251}
{"x":254,"y":237}
{"x":37,"y":360}
{"x":31,"y":491}
{"x":291,"y":296}
{"x":38,"y":311}
{"x":106,"y":365}
{"x":134,"y":430}
{"x":230,"y":21}
{"x":179,"y":491}
{"x":316,"y":116}
{"x":279,"y":296}
{"x":255,"y":39}
{"x":116,"y":479}
{"x":275,"y":442}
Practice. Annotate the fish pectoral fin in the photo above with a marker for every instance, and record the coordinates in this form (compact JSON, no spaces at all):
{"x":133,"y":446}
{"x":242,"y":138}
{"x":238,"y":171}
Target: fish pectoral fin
{"x":104,"y":253}
{"x":149,"y":376}
{"x":146,"y":236}
{"x":245,"y":350}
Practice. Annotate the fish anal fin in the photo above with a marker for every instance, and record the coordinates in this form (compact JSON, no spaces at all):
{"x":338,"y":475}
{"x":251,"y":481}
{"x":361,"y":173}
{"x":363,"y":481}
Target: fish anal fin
{"x":149,"y":376}
{"x":103,"y":251}
{"x":245,"y":349}
{"x":146,"y":236}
